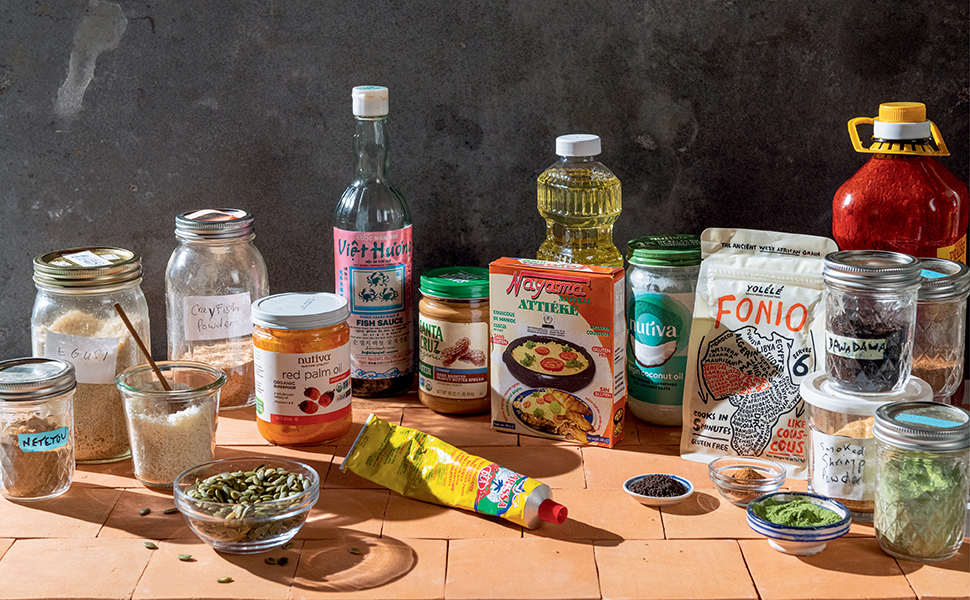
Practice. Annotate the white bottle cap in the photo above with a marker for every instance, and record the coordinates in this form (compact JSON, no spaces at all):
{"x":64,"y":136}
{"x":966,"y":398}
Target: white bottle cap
{"x":370,"y":101}
{"x":578,"y":144}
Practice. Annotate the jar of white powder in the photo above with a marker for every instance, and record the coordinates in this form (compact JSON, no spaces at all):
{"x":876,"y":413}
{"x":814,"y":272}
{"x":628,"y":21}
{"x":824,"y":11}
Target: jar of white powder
{"x":74,"y":319}
{"x":170,"y":431}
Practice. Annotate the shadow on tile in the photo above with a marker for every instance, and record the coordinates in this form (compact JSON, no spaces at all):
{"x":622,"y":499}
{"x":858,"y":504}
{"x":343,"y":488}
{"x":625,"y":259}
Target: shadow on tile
{"x":354,"y":563}
{"x":700,"y":503}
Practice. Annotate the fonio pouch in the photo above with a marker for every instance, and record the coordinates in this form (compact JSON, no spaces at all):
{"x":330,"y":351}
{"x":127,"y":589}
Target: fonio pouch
{"x":758,"y":329}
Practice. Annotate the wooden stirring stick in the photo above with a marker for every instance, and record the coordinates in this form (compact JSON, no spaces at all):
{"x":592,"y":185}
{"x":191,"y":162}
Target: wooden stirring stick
{"x":144,"y":350}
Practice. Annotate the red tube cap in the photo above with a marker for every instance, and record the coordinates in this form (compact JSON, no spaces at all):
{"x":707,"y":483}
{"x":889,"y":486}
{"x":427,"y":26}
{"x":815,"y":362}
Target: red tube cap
{"x":552,"y":511}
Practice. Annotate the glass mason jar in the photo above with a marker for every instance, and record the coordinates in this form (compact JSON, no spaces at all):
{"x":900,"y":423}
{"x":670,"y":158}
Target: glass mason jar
{"x":454,"y":345}
{"x":212,"y":279}
{"x":74,"y":319}
{"x":36,"y":428}
{"x":923,"y":454}
{"x":842,"y":449}
{"x":660,"y":283}
{"x":870,"y":319}
{"x":941,"y":320}
{"x":170,"y":430}
{"x":302,"y":350}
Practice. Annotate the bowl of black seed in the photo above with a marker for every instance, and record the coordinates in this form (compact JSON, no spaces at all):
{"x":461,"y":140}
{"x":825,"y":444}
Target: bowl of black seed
{"x":658,"y":489}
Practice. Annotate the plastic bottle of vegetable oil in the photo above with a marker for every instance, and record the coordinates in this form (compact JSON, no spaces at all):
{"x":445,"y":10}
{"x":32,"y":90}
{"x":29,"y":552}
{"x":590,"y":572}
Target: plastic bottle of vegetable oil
{"x":580,"y":200}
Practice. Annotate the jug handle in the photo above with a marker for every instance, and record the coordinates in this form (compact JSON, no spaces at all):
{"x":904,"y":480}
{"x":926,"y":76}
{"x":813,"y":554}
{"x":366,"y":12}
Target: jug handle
{"x":857,"y":143}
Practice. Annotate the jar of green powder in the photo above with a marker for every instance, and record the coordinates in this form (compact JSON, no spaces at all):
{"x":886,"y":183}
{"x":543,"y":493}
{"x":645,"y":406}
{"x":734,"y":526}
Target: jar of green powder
{"x":923,"y":454}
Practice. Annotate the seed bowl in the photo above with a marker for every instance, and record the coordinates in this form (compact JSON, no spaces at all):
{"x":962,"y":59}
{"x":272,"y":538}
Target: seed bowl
{"x":740,"y":491}
{"x":257,"y":513}
{"x":799,"y":541}
{"x":657,"y":500}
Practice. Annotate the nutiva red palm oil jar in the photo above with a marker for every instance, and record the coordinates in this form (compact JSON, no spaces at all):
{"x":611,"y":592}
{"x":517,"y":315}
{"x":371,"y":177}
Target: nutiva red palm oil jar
{"x":301,"y":351}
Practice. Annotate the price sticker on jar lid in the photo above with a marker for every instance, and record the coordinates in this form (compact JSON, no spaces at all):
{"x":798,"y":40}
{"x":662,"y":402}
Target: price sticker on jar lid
{"x":87,"y":258}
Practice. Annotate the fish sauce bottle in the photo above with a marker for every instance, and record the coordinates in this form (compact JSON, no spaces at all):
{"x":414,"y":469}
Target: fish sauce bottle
{"x":372,"y":258}
{"x":902,"y":199}
{"x":580,"y":200}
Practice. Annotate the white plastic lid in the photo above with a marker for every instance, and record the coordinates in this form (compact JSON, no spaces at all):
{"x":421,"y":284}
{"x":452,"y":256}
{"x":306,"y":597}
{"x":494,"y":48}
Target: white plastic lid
{"x":300,"y":311}
{"x":578,"y":144}
{"x":370,"y":101}
{"x":818,"y":391}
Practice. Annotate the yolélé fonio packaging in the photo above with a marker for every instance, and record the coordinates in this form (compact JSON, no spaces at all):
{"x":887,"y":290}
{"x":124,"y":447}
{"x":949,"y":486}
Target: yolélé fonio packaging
{"x":558,"y":349}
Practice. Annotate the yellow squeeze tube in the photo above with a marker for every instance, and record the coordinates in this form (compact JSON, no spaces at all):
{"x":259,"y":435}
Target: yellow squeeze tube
{"x":420,"y":466}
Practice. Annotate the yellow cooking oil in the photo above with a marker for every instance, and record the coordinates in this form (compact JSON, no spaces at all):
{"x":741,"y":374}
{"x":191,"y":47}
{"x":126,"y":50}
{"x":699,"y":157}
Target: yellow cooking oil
{"x":580,"y":200}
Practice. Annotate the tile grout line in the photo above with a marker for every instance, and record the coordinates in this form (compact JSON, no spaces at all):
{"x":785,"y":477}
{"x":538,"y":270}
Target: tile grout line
{"x":754,"y":584}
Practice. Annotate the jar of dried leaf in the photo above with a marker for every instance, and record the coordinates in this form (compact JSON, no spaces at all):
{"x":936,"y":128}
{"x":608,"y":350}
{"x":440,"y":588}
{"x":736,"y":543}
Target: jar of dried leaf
{"x":842,"y":449}
{"x":36,"y":428}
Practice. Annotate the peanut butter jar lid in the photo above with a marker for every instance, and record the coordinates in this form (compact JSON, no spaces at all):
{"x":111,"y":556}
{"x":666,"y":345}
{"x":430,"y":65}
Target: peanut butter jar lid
{"x":296,"y":310}
{"x":465,"y":283}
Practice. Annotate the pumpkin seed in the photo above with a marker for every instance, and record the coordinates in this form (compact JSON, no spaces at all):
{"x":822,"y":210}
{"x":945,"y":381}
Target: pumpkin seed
{"x":287,"y":545}
{"x":150,"y":545}
{"x":355,"y":551}
{"x":171,"y":511}
{"x":271,"y":561}
{"x":224,"y":580}
{"x":185,"y":557}
{"x":144,"y":511}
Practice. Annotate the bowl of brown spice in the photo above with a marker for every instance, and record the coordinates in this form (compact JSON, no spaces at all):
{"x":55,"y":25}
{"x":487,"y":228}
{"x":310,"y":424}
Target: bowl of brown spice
{"x":658,"y":489}
{"x":741,"y":479}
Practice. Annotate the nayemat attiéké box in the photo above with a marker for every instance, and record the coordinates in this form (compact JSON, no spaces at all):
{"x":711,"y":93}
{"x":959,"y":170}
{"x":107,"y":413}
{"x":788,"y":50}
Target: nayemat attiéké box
{"x":558,"y":349}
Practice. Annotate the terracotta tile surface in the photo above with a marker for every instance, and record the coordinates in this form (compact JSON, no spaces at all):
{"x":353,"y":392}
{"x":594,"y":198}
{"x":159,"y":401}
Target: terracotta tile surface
{"x":88,"y":543}
{"x":337,"y":510}
{"x":379,"y":568}
{"x":337,"y":479}
{"x":87,"y":568}
{"x":608,"y":468}
{"x":848,"y":568}
{"x":238,"y":427}
{"x":944,"y":580}
{"x":78,"y":513}
{"x":198,"y":577}
{"x":705,"y":515}
{"x":607,"y":515}
{"x":660,"y":569}
{"x":407,"y":518}
{"x":530,"y":568}
{"x":557,"y":466}
{"x":655,"y":435}
{"x":458,"y":431}
{"x":126,"y":519}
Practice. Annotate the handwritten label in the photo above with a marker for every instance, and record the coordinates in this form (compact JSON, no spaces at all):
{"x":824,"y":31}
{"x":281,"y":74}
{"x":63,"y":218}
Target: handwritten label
{"x":94,"y":359}
{"x":840,"y":468}
{"x":47,"y":440}
{"x":859,"y":349}
{"x":217,"y":317}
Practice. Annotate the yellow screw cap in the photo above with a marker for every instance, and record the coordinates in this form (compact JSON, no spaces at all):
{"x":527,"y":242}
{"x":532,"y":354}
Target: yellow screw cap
{"x":902,"y":112}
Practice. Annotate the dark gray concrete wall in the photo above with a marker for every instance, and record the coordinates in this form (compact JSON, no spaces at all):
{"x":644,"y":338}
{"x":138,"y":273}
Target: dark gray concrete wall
{"x":116,"y":116}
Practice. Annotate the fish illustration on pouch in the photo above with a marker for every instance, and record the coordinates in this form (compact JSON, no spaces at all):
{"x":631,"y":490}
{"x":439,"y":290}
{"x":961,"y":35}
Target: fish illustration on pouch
{"x":758,"y":329}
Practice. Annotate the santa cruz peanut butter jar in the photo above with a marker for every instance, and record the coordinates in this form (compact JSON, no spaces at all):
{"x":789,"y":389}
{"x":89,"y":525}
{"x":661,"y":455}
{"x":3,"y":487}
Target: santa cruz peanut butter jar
{"x":453,"y":329}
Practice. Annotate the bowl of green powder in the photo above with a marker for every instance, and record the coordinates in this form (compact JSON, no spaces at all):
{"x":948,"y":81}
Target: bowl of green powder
{"x":798,"y":523}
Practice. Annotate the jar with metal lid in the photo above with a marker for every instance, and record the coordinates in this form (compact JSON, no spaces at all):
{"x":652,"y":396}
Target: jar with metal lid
{"x":453,"y":331}
{"x":870,"y":319}
{"x":923,"y":455}
{"x":212,"y":279}
{"x":660,"y":282}
{"x":842,"y":449}
{"x":941,"y":320}
{"x":74,"y":319}
{"x":301,"y":348}
{"x":36,"y":428}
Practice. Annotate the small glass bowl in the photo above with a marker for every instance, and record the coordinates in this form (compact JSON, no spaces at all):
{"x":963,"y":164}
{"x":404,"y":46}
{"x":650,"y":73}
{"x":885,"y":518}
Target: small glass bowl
{"x":263,"y":526}
{"x":658,"y":500}
{"x":739,"y":491}
{"x":800,"y":541}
